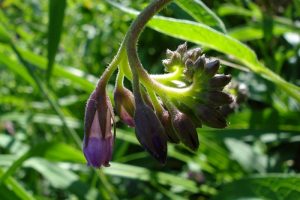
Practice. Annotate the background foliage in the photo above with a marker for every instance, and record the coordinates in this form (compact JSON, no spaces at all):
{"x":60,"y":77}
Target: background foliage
{"x":52,"y":52}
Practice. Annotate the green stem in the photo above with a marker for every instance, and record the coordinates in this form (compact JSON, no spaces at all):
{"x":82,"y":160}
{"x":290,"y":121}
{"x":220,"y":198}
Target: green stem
{"x":157,"y":106}
{"x":159,"y":87}
{"x":111,"y":67}
{"x":164,"y":78}
{"x":132,"y":37}
{"x":120,"y":78}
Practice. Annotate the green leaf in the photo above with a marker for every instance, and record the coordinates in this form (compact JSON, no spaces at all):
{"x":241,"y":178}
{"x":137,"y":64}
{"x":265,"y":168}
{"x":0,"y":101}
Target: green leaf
{"x":201,"y":13}
{"x":229,"y":9}
{"x":56,"y":18}
{"x":245,"y":155}
{"x":57,"y":176}
{"x":254,"y":32}
{"x":78,"y":77}
{"x":273,"y":186}
{"x":16,"y":68}
{"x":16,"y":188}
{"x":144,"y":174}
{"x":4,"y":35}
{"x":204,"y":35}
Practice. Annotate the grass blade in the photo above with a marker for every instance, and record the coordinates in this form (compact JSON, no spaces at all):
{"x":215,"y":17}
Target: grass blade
{"x":56,"y":18}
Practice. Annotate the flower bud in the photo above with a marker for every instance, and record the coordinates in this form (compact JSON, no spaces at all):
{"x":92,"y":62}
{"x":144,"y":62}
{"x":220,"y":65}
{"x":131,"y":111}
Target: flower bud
{"x":98,"y":139}
{"x":211,"y":67}
{"x":219,"y":81}
{"x":165,"y":120}
{"x":216,"y":98}
{"x":124,"y":104}
{"x":150,"y":132}
{"x":210,"y":116}
{"x":185,"y":129}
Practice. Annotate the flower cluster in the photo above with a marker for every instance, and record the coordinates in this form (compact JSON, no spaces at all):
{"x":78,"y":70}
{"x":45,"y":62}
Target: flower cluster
{"x":170,"y":109}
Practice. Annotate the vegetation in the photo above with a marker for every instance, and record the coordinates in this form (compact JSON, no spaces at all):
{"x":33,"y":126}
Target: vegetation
{"x":52,"y":54}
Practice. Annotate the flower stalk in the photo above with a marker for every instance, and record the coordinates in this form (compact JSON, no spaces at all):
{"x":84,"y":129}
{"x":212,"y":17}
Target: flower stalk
{"x":162,"y":108}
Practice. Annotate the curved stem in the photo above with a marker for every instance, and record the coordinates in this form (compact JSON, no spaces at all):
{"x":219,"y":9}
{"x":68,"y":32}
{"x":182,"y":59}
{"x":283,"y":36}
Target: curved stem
{"x":132,"y":37}
{"x":120,"y":76}
{"x":157,"y":106}
{"x":164,"y":78}
{"x":111,"y":68}
{"x":159,"y":87}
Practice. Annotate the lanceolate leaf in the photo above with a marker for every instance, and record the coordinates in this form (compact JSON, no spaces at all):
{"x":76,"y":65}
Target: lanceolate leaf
{"x":201,"y":13}
{"x":56,"y":18}
{"x":274,"y":186}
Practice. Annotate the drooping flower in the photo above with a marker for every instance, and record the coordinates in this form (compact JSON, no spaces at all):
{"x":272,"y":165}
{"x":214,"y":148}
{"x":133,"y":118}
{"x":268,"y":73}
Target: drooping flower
{"x":98,"y":139}
{"x":185,"y":129}
{"x":150,"y":132}
{"x":124,"y":104}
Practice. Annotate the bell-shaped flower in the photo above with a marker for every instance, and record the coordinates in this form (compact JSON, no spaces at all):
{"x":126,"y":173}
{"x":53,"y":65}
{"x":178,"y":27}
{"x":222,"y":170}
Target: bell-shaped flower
{"x":98,"y":139}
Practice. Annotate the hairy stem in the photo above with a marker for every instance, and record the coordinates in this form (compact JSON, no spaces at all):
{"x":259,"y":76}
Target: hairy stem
{"x":131,"y":41}
{"x":111,"y":68}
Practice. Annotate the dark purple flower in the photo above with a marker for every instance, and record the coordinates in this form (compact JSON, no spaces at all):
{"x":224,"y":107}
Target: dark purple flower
{"x":150,"y":132}
{"x":98,"y":139}
{"x":185,"y":129}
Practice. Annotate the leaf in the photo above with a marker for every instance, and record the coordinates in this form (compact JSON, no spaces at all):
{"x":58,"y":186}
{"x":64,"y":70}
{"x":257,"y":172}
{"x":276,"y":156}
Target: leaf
{"x":204,"y":35}
{"x":78,"y":77}
{"x":57,"y":176}
{"x":273,"y":186}
{"x":201,"y":13}
{"x":4,"y":36}
{"x":144,"y":174}
{"x":245,"y":155}
{"x":56,"y":18}
{"x":254,"y":32}
{"x":229,"y":9}
{"x":16,"y":188}
{"x":16,"y":68}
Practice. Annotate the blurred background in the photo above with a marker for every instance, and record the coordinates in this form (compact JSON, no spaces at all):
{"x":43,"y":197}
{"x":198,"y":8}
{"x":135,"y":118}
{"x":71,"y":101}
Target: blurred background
{"x":41,"y":122}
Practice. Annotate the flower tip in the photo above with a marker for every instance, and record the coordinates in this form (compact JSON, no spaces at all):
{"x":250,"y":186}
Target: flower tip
{"x":98,"y":152}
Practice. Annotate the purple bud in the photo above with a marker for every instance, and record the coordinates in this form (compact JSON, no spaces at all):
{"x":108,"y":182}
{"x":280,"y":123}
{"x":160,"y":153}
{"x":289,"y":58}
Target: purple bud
{"x":211,"y":67}
{"x":98,"y":139}
{"x":219,"y":81}
{"x":181,"y":49}
{"x":210,"y":116}
{"x":185,"y":129}
{"x":217,"y":98}
{"x":124,"y":103}
{"x":166,"y":121}
{"x":150,"y":132}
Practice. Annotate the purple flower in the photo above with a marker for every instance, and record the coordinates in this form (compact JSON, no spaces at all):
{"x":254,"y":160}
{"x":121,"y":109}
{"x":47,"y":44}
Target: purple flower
{"x":98,"y":139}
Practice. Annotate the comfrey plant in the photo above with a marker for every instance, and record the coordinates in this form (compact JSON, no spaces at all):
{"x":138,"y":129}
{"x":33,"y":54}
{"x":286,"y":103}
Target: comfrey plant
{"x":162,"y":108}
